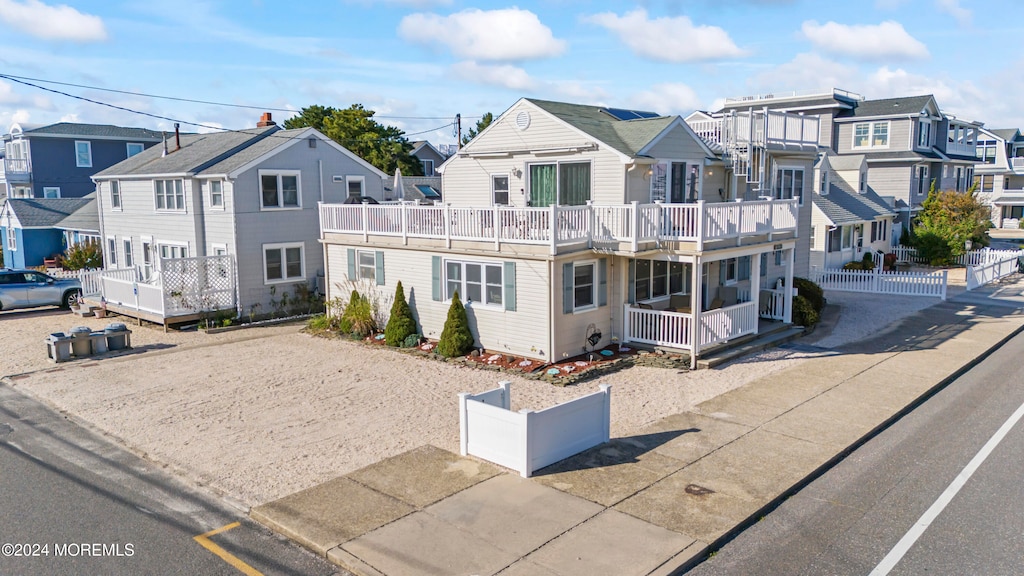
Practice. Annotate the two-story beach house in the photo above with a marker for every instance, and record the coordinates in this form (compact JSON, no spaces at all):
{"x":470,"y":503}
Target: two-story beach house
{"x":1000,"y":178}
{"x":567,"y":227}
{"x":58,"y":160}
{"x":221,"y":221}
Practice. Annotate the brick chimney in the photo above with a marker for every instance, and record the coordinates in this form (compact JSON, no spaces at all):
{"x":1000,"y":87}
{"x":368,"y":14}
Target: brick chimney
{"x":265,"y":121}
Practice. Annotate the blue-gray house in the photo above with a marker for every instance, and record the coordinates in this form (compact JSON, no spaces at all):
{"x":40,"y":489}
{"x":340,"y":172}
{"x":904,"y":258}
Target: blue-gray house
{"x":33,"y":230}
{"x":58,"y":161}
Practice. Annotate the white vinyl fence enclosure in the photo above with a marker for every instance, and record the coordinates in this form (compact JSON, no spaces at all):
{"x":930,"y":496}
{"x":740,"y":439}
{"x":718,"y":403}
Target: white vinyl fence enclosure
{"x":875,"y":282}
{"x":982,"y":274}
{"x":527,"y":441}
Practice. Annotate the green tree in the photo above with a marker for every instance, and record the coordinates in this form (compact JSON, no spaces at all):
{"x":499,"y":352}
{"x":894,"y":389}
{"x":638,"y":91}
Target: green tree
{"x":456,"y":338}
{"x":401,"y":324}
{"x":947,"y":220}
{"x":482,"y":123}
{"x":386,"y":147}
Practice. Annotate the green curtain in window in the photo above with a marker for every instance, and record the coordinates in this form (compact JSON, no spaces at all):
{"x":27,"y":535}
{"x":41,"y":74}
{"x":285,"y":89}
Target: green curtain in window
{"x":574,"y":184}
{"x":542,"y":184}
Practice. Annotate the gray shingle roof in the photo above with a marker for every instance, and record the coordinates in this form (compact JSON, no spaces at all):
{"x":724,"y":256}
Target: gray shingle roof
{"x":45,"y":212}
{"x":86,"y":218}
{"x":1007,"y":134}
{"x":198,"y":151}
{"x":843,"y":205}
{"x":625,"y":136}
{"x":253,"y":151}
{"x":96,"y":130}
{"x":889,"y":107}
{"x":904,"y":155}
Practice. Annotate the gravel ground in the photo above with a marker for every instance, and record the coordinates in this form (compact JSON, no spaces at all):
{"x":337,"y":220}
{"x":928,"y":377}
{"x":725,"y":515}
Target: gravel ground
{"x":260,"y":413}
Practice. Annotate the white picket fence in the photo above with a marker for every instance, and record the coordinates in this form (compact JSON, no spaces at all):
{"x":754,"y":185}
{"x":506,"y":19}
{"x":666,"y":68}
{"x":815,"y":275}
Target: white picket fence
{"x":977,"y":257}
{"x":875,"y":282}
{"x":991,"y":271}
{"x":526,"y":441}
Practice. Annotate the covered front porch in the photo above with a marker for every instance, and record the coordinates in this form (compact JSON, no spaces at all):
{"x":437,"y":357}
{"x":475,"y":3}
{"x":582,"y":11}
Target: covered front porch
{"x":735,"y":293}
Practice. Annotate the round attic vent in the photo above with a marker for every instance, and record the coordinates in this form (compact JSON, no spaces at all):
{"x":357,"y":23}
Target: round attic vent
{"x":523,"y":120}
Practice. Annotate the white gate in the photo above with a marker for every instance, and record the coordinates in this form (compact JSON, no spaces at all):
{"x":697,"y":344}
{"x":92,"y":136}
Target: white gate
{"x":876,"y":282}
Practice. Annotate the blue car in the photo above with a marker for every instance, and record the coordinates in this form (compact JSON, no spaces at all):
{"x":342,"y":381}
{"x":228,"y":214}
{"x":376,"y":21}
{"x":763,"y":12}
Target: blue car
{"x":29,"y":289}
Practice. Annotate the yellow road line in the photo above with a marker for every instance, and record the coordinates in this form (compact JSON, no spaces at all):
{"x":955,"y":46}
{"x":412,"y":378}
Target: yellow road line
{"x":205,"y":542}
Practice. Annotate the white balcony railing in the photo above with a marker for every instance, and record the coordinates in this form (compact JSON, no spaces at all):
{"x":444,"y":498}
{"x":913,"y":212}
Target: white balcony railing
{"x":16,"y":165}
{"x":565,"y":227}
{"x":1017,"y":164}
{"x":759,"y":128}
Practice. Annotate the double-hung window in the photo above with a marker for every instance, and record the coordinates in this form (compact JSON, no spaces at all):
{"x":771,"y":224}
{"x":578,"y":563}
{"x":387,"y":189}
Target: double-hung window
{"x":475,"y":281}
{"x":170,"y":195}
{"x":128,"y":260}
{"x":280,"y":190}
{"x":283,"y":263}
{"x":499,"y":189}
{"x":924,"y":134}
{"x":921,"y":180}
{"x":12,"y":238}
{"x":115,"y":195}
{"x":367,"y":265}
{"x":584,"y":284}
{"x":789,"y":183}
{"x":112,"y":252}
{"x":83,"y":154}
{"x":216,"y":193}
{"x":871,"y":134}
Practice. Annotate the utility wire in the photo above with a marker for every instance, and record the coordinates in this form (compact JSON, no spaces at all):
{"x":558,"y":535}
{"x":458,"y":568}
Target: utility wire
{"x":194,"y":101}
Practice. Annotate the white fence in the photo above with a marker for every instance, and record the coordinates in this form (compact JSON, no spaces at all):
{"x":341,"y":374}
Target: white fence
{"x":972,"y":258}
{"x":526,"y":441}
{"x":990,"y":272}
{"x":872,"y":281}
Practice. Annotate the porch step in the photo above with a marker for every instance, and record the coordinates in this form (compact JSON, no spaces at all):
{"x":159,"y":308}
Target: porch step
{"x":749,"y":344}
{"x":84,"y":311}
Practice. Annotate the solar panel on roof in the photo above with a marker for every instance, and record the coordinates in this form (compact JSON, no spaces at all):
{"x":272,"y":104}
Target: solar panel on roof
{"x":623,"y":114}
{"x":427,"y":191}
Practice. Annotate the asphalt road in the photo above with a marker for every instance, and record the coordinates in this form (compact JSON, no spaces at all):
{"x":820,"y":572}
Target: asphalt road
{"x":850,"y":518}
{"x":72,"y":502}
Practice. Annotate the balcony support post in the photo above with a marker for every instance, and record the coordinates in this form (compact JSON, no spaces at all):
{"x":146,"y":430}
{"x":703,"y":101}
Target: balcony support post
{"x":405,"y":224}
{"x":447,"y":226}
{"x":700,"y":225}
{"x":634,"y":207}
{"x":553,"y":228}
{"x":496,"y":223}
{"x":366,"y":222}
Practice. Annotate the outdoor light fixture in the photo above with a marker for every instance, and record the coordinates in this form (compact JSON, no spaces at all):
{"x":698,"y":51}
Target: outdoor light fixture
{"x":968,"y":244}
{"x":594,"y":338}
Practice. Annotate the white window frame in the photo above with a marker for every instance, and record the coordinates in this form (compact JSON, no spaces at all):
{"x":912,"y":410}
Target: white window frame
{"x":426,"y":171}
{"x":508,"y":190}
{"x":147,"y":255}
{"x":463,"y":282}
{"x":128,"y":148}
{"x":924,"y":133}
{"x":823,"y":185}
{"x":283,"y":248}
{"x":780,"y":194}
{"x":220,"y":250}
{"x":21,"y":192}
{"x":871,"y":135}
{"x":211,"y":184}
{"x":280,"y":189}
{"x":349,"y":180}
{"x":576,"y":308}
{"x":180,"y":247}
{"x":54,"y":190}
{"x":160,"y":190}
{"x":115,"y":195}
{"x":12,"y":238}
{"x":922,"y":185}
{"x":87,"y":163}
{"x":732,"y":270}
{"x":110,"y":251}
{"x":366,"y":271}
{"x":129,"y":258}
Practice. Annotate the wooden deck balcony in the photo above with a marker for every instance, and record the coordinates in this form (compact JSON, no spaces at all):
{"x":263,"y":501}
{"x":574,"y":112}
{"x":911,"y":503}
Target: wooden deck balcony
{"x":623,"y":227}
{"x":765,"y":128}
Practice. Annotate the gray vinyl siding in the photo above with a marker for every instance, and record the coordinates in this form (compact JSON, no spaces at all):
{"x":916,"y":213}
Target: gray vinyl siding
{"x":570,"y":330}
{"x":825,"y":130}
{"x":138,"y":217}
{"x":523,"y":332}
{"x":893,"y":181}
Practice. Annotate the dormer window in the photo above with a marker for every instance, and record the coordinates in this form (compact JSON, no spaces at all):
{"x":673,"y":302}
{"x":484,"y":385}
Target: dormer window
{"x":823,"y":185}
{"x":924,"y":134}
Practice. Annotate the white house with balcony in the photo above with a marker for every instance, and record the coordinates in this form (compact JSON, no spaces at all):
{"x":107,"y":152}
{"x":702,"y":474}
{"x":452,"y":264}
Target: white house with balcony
{"x":1000,"y":178}
{"x":563,"y":221}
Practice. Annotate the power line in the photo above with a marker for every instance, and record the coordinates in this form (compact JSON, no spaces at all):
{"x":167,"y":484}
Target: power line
{"x":194,"y":101}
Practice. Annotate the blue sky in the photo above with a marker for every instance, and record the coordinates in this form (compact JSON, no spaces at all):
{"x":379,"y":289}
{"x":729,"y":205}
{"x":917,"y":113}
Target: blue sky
{"x":418,"y":63}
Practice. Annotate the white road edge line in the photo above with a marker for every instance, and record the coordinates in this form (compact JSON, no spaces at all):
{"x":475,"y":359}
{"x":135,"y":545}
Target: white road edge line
{"x":922,"y":524}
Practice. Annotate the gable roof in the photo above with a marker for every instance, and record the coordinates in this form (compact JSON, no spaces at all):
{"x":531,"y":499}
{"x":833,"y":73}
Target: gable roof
{"x":197,"y":152}
{"x":843,"y":205}
{"x":627,"y":137}
{"x":1007,"y":134}
{"x":904,"y":106}
{"x":845,"y":161}
{"x":45,"y":212}
{"x":86,"y":218}
{"x":94,"y":130}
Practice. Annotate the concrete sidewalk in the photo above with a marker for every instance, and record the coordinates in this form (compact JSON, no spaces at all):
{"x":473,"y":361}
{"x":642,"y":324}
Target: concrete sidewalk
{"x":656,"y":502}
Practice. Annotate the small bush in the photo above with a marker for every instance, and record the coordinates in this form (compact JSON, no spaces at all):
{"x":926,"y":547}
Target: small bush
{"x":456,"y":338}
{"x":411,"y":341}
{"x":868,"y":262}
{"x":804,"y":313}
{"x":83,"y":255}
{"x":855,"y":265}
{"x":358,"y":317}
{"x":319,"y":323}
{"x":401,"y":324}
{"x":811,"y":291}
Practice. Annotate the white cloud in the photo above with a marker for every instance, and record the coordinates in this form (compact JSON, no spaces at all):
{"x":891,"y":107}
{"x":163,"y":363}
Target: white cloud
{"x":503,"y":75}
{"x":668,"y":39}
{"x":666,"y":99}
{"x":869,"y":41}
{"x":952,"y":7}
{"x":805,"y":72}
{"x":485,"y":35}
{"x":60,"y":22}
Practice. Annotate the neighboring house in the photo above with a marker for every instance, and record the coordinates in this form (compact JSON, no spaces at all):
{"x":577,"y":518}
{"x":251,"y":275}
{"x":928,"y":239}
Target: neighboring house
{"x":420,"y":189}
{"x":226,"y":221}
{"x":58,"y":160}
{"x":909,"y":143}
{"x":429,"y":156}
{"x":567,"y":227}
{"x":34,"y":230}
{"x":1000,"y":176}
{"x":849,"y":219}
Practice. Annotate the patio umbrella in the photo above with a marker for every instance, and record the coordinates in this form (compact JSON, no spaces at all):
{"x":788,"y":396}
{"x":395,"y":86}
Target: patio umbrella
{"x":399,"y":186}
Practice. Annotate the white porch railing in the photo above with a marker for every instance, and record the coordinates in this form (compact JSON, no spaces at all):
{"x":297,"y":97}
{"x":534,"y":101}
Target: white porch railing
{"x":872,"y":281}
{"x":658,"y":328}
{"x":727,"y":323}
{"x":771,"y":303}
{"x":991,"y":271}
{"x":183,"y":286}
{"x":527,"y":441}
{"x":565,"y":227}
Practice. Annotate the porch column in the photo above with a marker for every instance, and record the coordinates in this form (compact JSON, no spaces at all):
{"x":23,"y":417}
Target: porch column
{"x":696,"y":293}
{"x":755,"y":286}
{"x":787,"y":315}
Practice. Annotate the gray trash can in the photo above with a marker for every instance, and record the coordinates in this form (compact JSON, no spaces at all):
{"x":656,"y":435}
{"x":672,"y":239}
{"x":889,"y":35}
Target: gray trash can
{"x":99,"y":342}
{"x":58,"y":347}
{"x":81,"y":344}
{"x":118,"y":336}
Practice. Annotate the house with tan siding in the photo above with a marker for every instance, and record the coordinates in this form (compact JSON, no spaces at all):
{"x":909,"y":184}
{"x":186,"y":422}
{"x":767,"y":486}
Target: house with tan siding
{"x":225,"y":221}
{"x":562,"y":221}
